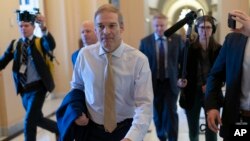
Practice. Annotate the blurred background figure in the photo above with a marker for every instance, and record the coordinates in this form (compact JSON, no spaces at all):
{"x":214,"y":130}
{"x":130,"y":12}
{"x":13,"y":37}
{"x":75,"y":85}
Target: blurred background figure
{"x":32,"y":76}
{"x":164,"y":56}
{"x":201,"y":56}
{"x":88,"y":37}
{"x":231,"y":67}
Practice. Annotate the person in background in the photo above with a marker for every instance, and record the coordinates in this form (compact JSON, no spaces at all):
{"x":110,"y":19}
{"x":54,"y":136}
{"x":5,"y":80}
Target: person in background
{"x":88,"y":37}
{"x":32,"y":76}
{"x":118,"y":108}
{"x":164,"y":58}
{"x":201,"y":56}
{"x":232,"y":66}
{"x":75,"y":53}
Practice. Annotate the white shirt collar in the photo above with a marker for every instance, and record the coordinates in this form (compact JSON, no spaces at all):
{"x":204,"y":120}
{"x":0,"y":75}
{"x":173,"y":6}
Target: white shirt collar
{"x":117,"y":52}
{"x":157,"y":37}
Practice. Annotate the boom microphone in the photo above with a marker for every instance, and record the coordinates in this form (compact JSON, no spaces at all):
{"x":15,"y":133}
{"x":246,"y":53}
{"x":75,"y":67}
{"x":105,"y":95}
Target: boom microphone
{"x":189,"y":17}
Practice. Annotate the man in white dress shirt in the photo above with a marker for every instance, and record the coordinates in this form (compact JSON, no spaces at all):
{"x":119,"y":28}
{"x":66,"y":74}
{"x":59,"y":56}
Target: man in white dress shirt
{"x":131,"y":76}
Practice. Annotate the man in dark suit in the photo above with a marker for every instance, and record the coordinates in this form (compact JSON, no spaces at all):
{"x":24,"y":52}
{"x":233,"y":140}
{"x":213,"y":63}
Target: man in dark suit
{"x":232,"y":66}
{"x":163,"y":55}
{"x":32,"y":76}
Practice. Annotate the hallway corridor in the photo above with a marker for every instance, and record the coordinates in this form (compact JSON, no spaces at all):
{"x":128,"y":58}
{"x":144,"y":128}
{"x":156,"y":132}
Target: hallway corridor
{"x":51,"y":105}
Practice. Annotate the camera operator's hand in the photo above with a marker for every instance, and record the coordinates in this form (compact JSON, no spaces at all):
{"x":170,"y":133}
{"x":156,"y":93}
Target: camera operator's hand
{"x":244,"y":19}
{"x":182,"y":83}
{"x":41,"y":20}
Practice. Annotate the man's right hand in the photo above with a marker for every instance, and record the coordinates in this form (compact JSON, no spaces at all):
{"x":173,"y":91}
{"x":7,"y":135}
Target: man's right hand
{"x":82,"y":120}
{"x":213,"y":120}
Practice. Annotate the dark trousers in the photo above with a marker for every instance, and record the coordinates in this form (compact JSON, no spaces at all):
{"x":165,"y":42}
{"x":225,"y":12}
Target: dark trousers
{"x":193,"y":118}
{"x":97,"y":132}
{"x":33,"y":99}
{"x":165,"y":111}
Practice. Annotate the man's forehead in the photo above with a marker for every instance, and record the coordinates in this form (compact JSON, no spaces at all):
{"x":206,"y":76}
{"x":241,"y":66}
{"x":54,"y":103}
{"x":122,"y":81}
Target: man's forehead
{"x":107,"y":16}
{"x":88,"y":26}
{"x":24,"y":23}
{"x":107,"y":23}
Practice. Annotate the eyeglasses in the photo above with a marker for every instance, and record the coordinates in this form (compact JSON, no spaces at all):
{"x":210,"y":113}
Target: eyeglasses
{"x":205,"y":27}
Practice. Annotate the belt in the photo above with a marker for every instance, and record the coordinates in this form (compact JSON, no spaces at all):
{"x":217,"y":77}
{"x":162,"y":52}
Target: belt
{"x":162,"y":81}
{"x":126,"y":122}
{"x":33,"y":86}
{"x":245,"y":113}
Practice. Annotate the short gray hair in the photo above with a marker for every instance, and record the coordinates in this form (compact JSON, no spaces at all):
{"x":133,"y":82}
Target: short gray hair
{"x":110,"y":8}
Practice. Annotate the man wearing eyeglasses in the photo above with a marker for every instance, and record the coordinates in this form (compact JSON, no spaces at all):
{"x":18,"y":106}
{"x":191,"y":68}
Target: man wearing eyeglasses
{"x":201,"y":56}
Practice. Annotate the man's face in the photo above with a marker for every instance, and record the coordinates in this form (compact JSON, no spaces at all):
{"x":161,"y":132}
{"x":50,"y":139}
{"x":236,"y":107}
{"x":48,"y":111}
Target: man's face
{"x":88,"y":34}
{"x":108,"y":30}
{"x":159,"y":26}
{"x":26,"y":29}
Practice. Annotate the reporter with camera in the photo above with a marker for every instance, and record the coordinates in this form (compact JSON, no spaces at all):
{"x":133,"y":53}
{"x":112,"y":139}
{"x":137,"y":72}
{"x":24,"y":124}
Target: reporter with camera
{"x":32,"y":76}
{"x":232,"y":66}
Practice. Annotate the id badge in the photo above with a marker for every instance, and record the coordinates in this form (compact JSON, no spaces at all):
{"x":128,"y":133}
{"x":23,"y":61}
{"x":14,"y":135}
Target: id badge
{"x":23,"y":68}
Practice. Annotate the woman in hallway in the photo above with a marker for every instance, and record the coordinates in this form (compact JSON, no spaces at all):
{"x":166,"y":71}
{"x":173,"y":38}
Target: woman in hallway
{"x":201,"y":56}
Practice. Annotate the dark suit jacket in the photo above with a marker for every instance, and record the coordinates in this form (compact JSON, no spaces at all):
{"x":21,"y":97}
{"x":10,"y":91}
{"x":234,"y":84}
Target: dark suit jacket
{"x":193,"y":60}
{"x":227,"y":68}
{"x":174,"y":44}
{"x":73,"y":105}
{"x":47,"y":44}
{"x":74,"y":57}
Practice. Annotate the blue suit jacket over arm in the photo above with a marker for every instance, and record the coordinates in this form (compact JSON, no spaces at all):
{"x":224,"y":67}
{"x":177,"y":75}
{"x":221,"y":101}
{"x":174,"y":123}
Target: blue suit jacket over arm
{"x":73,"y":105}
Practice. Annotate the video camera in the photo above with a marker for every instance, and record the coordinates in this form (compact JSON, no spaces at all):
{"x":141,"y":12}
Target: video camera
{"x":27,"y":16}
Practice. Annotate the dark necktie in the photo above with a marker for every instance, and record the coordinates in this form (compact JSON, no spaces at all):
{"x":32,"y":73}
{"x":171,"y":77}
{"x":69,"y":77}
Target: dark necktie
{"x":161,"y":60}
{"x":23,"y":69}
{"x":109,"y":98}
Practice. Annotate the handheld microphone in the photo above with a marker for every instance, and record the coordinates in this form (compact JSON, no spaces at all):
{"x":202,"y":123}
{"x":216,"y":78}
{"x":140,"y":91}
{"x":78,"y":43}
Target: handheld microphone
{"x":189,"y":17}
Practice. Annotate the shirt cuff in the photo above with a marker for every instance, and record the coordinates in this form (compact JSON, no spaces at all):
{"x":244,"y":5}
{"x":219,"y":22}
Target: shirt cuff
{"x":135,"y":135}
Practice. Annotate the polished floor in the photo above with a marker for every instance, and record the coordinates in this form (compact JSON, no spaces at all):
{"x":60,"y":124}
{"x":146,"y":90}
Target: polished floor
{"x":51,"y":105}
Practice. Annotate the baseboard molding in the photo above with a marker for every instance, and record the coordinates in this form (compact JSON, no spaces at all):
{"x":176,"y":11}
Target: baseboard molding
{"x":51,"y":104}
{"x":12,"y":131}
{"x":17,"y":129}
